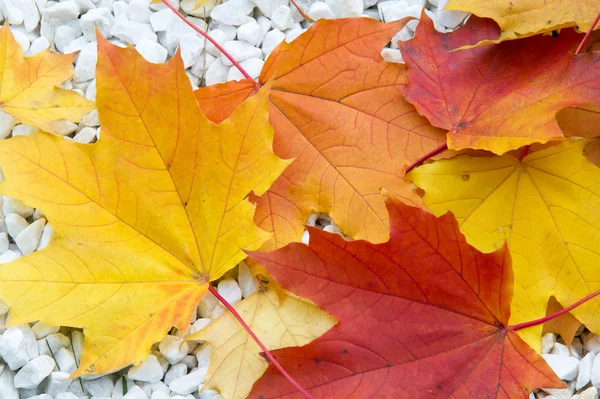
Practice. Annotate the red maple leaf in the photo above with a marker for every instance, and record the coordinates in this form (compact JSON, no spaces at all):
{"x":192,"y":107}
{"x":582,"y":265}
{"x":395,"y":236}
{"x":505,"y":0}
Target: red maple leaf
{"x":423,"y":315}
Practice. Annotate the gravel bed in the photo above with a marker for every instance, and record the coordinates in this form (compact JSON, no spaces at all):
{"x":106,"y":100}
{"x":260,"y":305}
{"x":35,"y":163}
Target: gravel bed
{"x":36,"y":359}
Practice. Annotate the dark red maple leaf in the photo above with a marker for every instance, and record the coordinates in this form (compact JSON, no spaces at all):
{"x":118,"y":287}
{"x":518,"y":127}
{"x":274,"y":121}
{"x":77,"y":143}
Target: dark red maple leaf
{"x":423,"y":315}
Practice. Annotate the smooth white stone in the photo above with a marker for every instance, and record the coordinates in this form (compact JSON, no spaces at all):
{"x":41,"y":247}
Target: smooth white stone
{"x":13,"y":205}
{"x":85,"y":68}
{"x":272,"y":40}
{"x":64,"y":127}
{"x":132,"y":32}
{"x":351,"y":8}
{"x":189,"y":383}
{"x":563,"y":350}
{"x":102,"y":386}
{"x":22,"y":39}
{"x":85,"y":135}
{"x":204,"y":62}
{"x":230,"y":290}
{"x":42,"y":330}
{"x":57,"y":382}
{"x":233,"y":12}
{"x":100,"y":18}
{"x":253,"y":66}
{"x":55,"y":341}
{"x":161,"y":20}
{"x":15,"y":224}
{"x":230,"y":31}
{"x":24,"y":130}
{"x":160,"y":395}
{"x":216,"y":73}
{"x":267,"y":7}
{"x":65,"y":360}
{"x":159,"y":387}
{"x":595,"y":373}
{"x":177,"y":30}
{"x":7,"y":122}
{"x":210,"y":394}
{"x":240,"y":51}
{"x":66,"y":395}
{"x":120,"y":10}
{"x":191,"y":48}
{"x":37,"y":46}
{"x":282,"y":18}
{"x":207,"y":304}
{"x":63,"y":11}
{"x":3,"y":245}
{"x":175,"y":372}
{"x":151,"y":51}
{"x":29,"y":238}
{"x":320,"y":10}
{"x":591,"y":342}
{"x":77,"y":342}
{"x":12,"y":348}
{"x":149,"y":370}
{"x":189,"y":6}
{"x":135,"y":393}
{"x":392,"y":55}
{"x":585,"y":370}
{"x":76,"y":45}
{"x":30,"y":343}
{"x":42,"y":396}
{"x":91,"y":119}
{"x":250,"y":32}
{"x":548,"y":341}
{"x":46,"y":237}
{"x":565,"y":367}
{"x":292,"y":34}
{"x":219,"y":37}
{"x":203,"y":355}
{"x":9,"y":256}
{"x":172,"y":349}
{"x":85,"y":5}
{"x":199,"y":325}
{"x":450,"y":18}
{"x":63,"y":36}
{"x":90,"y":92}
{"x":15,"y":15}
{"x":34,"y":372}
{"x":7,"y":386}
{"x":590,"y":393}
{"x":138,"y":11}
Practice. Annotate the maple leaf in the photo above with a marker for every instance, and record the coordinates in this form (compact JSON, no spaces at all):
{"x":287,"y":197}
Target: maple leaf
{"x":545,"y":206}
{"x":336,"y":108}
{"x":582,"y":121}
{"x":278,"y":322}
{"x":565,"y":325}
{"x":421,"y":315}
{"x":28,"y":90}
{"x":498,"y":97}
{"x":145,"y":217}
{"x":519,"y":19}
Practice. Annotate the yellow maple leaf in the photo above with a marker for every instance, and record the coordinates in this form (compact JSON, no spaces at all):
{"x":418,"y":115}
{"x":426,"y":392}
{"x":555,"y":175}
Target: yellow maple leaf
{"x":546,"y":207}
{"x":236,"y":363}
{"x":28,"y":90}
{"x":145,"y":217}
{"x":522,"y":18}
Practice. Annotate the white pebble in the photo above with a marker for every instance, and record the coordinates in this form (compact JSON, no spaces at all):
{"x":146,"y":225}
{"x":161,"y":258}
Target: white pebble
{"x":282,"y":18}
{"x":450,"y":18}
{"x":15,"y":224}
{"x":85,"y":68}
{"x":102,"y":386}
{"x":216,"y":73}
{"x":232,"y":12}
{"x":63,"y":11}
{"x":27,"y":240}
{"x":160,"y":395}
{"x":351,"y":8}
{"x":90,"y":92}
{"x":320,"y":10}
{"x":272,"y":40}
{"x":230,"y":31}
{"x":76,"y":45}
{"x":37,"y":46}
{"x":30,"y":343}
{"x":22,"y":40}
{"x":240,"y":51}
{"x":172,"y":349}
{"x":7,"y":386}
{"x":252,"y":66}
{"x":138,"y":11}
{"x":66,"y":395}
{"x":149,"y":370}
{"x":65,"y":360}
{"x":199,"y":325}
{"x":219,"y":37}
{"x":189,"y":383}
{"x":151,"y":51}
{"x":34,"y":372}
{"x":250,"y":32}
{"x":392,"y":55}
{"x":85,"y":135}
{"x":57,"y":382}
{"x":100,"y":18}
{"x":191,"y":48}
{"x":135,"y":393}
{"x":267,"y":7}
{"x":3,"y":245}
{"x":7,"y":122}
{"x":24,"y":130}
{"x":42,"y":330}
{"x":9,"y":256}
{"x":563,"y":350}
{"x":204,"y":62}
{"x":161,"y":20}
{"x":203,"y":355}
{"x":230,"y":290}
{"x":175,"y":372}
{"x":63,"y":36}
{"x":132,"y":32}
{"x":585,"y":370}
{"x":591,"y":342}
{"x":55,"y":341}
{"x":565,"y":367}
{"x":91,"y":119}
{"x":85,"y":5}
{"x":46,"y":237}
{"x":12,"y":348}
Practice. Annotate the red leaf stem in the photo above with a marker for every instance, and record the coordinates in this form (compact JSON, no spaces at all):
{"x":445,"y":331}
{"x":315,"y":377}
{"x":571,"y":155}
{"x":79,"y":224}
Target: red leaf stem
{"x":425,"y":157}
{"x":524,"y":153}
{"x":210,"y":39}
{"x":304,"y":15}
{"x":262,"y":346}
{"x":588,"y":33}
{"x":554,"y":315}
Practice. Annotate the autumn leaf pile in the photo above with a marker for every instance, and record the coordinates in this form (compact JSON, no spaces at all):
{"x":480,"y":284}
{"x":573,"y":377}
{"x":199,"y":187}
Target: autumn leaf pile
{"x":417,"y":298}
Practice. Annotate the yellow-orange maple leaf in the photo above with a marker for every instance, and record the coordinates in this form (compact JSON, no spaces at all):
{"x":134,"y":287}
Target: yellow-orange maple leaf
{"x":523,"y":18}
{"x":28,"y":86}
{"x":235,"y":362}
{"x":145,"y":217}
{"x":566,"y":325}
{"x":545,"y":207}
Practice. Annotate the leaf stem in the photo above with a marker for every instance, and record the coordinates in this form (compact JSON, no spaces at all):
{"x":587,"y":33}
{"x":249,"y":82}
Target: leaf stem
{"x":304,"y":15}
{"x":425,"y":157}
{"x":207,"y":37}
{"x":524,"y":153}
{"x":554,"y":315}
{"x":588,"y":33}
{"x":262,"y":346}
